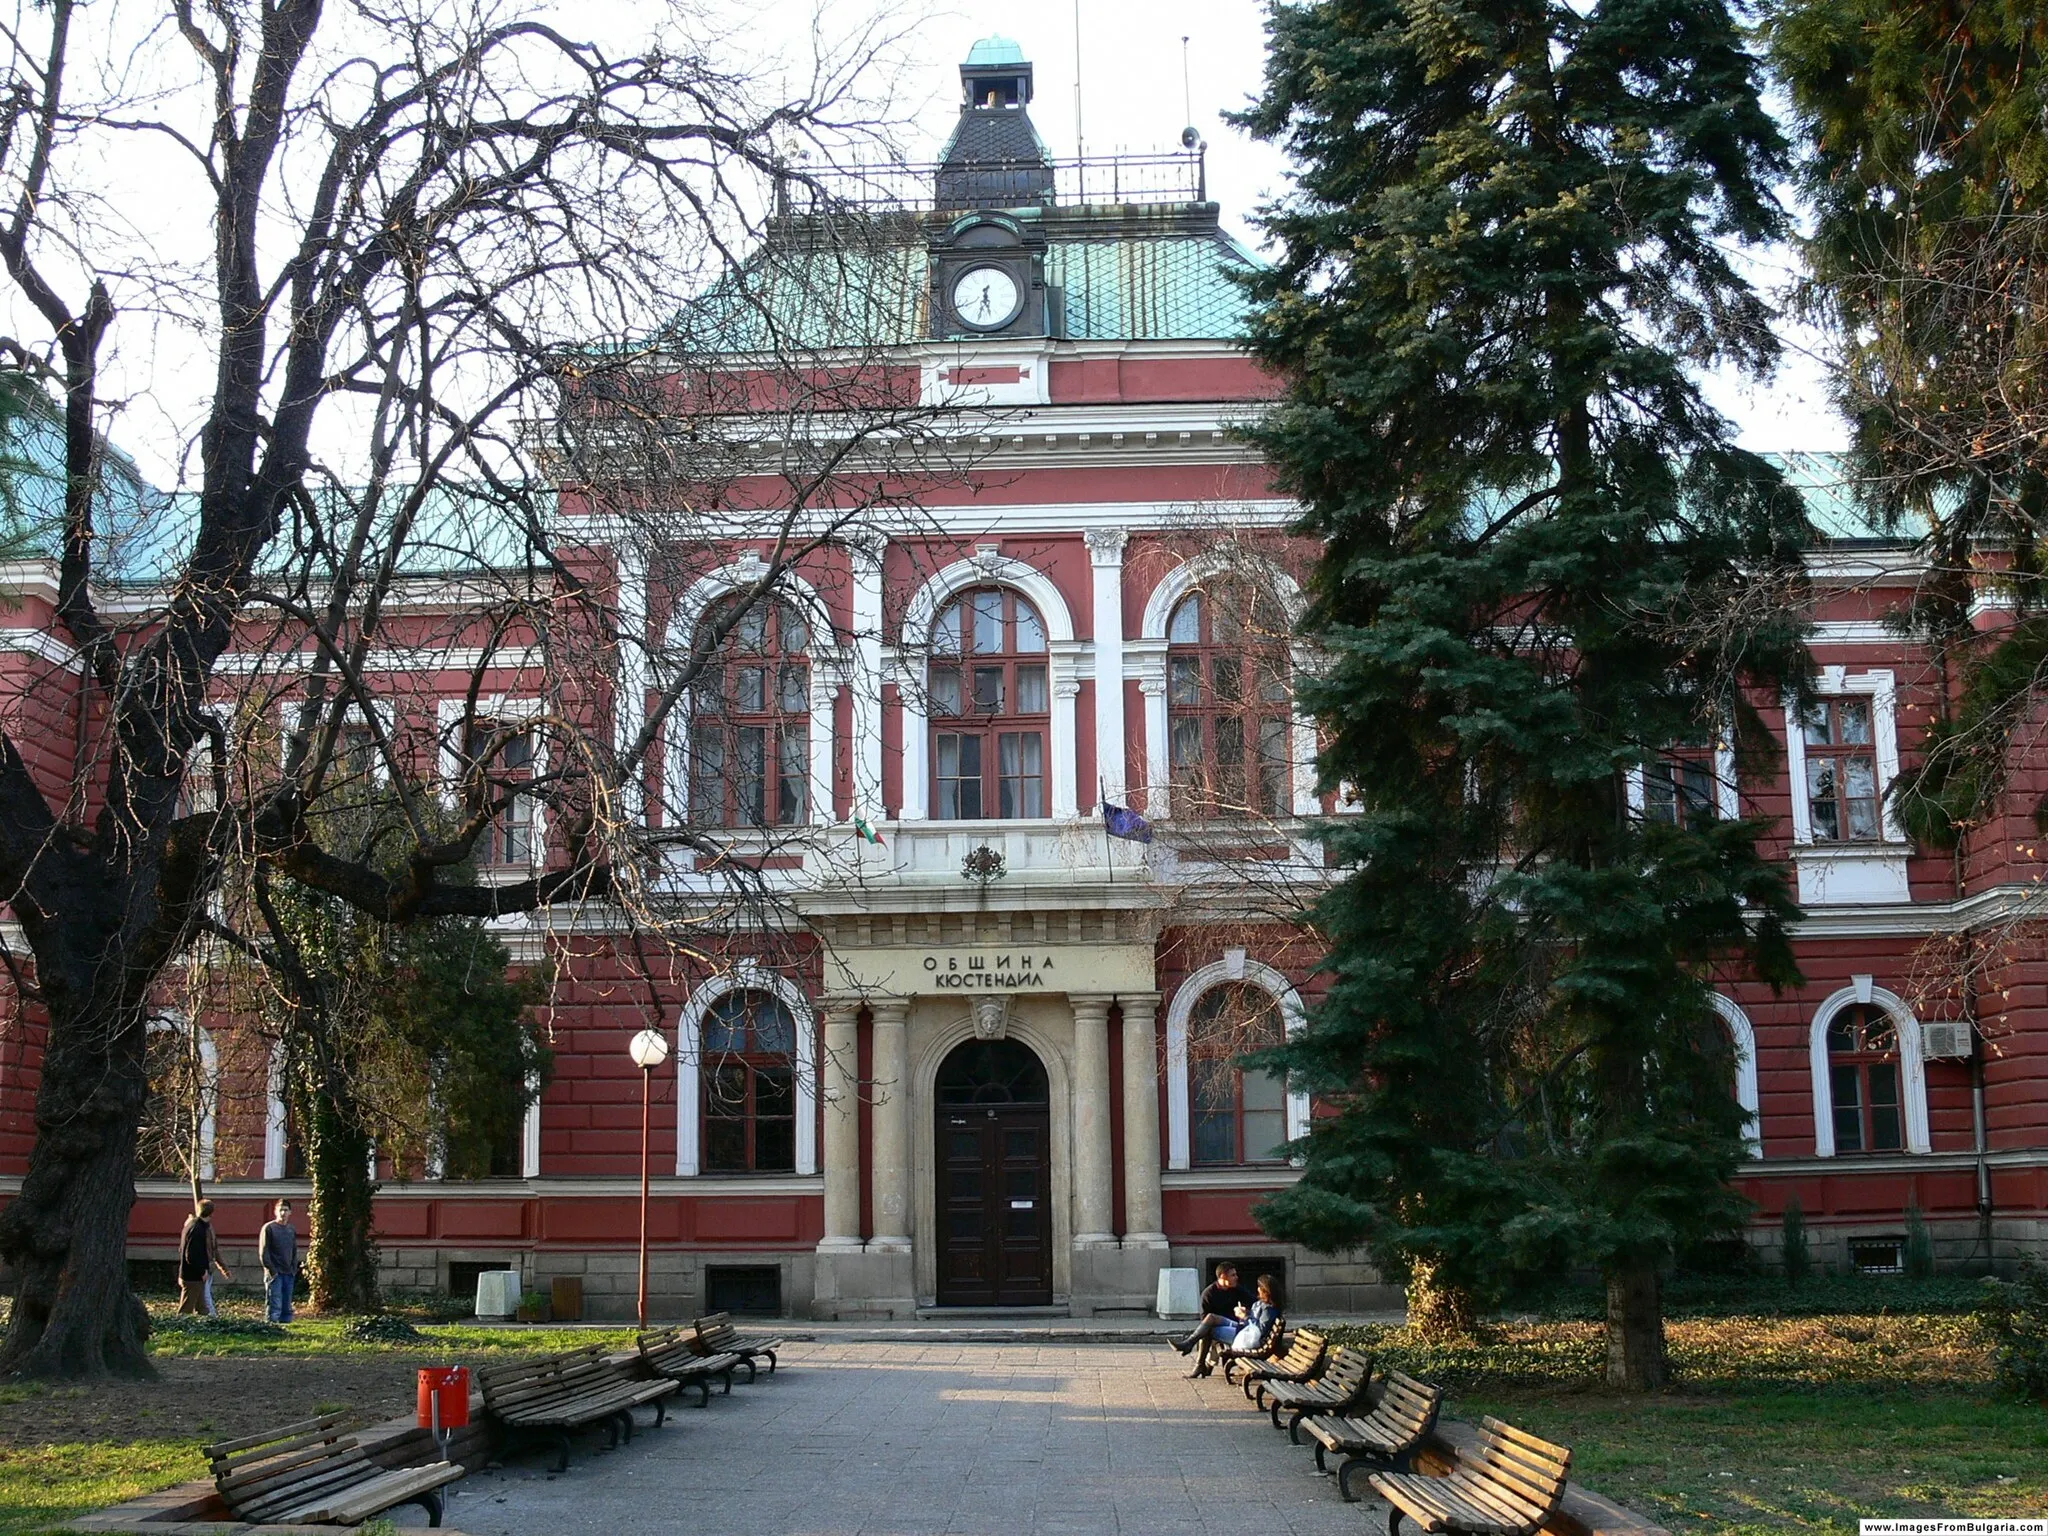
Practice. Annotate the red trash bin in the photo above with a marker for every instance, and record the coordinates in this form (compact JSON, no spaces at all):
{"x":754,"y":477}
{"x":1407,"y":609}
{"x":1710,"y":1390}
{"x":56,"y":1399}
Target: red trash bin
{"x":447,"y":1386}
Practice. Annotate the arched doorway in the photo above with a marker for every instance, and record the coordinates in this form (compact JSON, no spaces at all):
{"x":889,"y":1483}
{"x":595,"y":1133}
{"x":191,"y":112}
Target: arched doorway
{"x":994,"y":1170}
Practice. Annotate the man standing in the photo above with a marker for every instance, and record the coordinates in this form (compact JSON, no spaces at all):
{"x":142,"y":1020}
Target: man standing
{"x":1223,"y":1310}
{"x":198,"y":1260}
{"x":278,"y":1244}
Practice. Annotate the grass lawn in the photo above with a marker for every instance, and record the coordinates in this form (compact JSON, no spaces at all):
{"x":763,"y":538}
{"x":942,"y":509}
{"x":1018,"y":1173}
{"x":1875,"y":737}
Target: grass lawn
{"x":66,"y":1450}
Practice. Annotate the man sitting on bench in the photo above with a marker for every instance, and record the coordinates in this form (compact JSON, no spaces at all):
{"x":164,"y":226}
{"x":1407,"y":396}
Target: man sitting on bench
{"x":1224,"y":1307}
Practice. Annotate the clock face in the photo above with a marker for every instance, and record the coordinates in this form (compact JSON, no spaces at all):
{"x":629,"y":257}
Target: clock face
{"x":986,"y":298}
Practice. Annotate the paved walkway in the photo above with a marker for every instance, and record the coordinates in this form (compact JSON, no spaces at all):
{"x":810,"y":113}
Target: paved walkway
{"x":1004,"y":1439}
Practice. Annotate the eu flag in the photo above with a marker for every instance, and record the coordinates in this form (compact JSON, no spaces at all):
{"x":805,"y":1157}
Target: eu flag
{"x":1126,"y":823}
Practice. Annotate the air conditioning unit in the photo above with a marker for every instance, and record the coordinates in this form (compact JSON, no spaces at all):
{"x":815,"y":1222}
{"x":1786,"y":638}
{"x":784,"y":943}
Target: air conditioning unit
{"x":1946,"y":1040}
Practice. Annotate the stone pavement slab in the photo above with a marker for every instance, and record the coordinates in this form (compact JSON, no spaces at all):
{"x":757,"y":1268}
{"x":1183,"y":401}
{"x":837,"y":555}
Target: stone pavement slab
{"x":851,"y":1438}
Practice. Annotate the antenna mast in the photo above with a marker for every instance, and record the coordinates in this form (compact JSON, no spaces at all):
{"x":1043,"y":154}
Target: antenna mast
{"x":1187,"y":98}
{"x":1080,"y":152}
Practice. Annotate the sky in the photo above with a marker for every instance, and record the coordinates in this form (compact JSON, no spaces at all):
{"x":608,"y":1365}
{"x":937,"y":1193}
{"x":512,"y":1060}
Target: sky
{"x":1147,"y":69}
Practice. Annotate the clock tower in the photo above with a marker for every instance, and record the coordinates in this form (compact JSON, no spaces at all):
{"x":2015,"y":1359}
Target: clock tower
{"x":996,"y":179}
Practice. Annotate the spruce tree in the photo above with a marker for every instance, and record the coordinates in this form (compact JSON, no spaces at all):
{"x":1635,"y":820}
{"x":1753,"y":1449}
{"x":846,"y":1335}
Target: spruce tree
{"x":1546,"y":566}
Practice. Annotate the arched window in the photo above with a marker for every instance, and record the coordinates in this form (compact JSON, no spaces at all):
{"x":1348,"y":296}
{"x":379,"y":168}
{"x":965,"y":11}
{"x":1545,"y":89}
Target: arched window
{"x":1864,"y":1081}
{"x":990,"y":708}
{"x":749,"y":1084}
{"x":1239,"y":1116}
{"x":1229,"y":721}
{"x":750,"y":733}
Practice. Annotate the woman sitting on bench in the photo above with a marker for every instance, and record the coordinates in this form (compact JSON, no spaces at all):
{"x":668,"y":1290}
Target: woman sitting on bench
{"x":1224,"y":1309}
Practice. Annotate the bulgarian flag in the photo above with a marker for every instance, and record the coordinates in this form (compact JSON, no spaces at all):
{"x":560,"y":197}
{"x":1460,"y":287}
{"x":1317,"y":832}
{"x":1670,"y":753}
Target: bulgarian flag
{"x":866,"y":832}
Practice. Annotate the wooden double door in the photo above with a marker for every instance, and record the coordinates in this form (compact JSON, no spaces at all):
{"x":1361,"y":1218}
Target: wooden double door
{"x":994,"y":1167}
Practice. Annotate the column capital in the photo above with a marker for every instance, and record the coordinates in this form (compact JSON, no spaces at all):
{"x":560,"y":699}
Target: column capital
{"x":889,"y":1010}
{"x":1148,"y":1001}
{"x":1094,"y":1002}
{"x":1106,"y":545}
{"x":841,"y":1007}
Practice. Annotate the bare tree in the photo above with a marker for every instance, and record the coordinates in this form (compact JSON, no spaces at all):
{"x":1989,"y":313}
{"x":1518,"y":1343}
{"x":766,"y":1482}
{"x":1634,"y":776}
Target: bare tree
{"x":432,"y":228}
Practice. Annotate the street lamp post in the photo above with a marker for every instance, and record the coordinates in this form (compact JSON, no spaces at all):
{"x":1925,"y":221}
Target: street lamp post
{"x":648,"y":1050}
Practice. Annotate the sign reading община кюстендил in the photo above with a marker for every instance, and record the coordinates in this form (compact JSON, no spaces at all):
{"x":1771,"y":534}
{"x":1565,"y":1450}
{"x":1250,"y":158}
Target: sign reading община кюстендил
{"x":1016,"y":967}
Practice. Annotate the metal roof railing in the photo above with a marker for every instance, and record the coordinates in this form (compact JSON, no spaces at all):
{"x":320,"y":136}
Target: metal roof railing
{"x":1154,"y":180}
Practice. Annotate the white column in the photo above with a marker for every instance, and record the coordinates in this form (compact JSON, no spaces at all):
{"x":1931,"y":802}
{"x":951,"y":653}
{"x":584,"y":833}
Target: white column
{"x":891,"y":1158}
{"x":1093,"y":1189}
{"x":867,"y":677}
{"x":1158,"y":767}
{"x":629,"y":707}
{"x":824,"y":718}
{"x":1106,"y":554}
{"x":1144,"y":1222}
{"x":912,"y":679}
{"x":1302,"y":746}
{"x":1065,"y":744}
{"x":842,"y":1126}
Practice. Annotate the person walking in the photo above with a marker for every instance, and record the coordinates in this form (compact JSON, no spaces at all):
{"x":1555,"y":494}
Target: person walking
{"x":198,"y":1261}
{"x":278,"y":1245}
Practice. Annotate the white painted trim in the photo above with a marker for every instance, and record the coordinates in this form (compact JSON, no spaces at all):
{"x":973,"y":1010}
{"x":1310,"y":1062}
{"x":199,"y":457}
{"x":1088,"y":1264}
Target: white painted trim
{"x":629,"y":698}
{"x":529,"y":1132}
{"x":1106,"y":570}
{"x":423,"y":662}
{"x":1880,"y":685}
{"x":1742,"y":1035}
{"x":1234,"y":967}
{"x":747,"y":976}
{"x":913,"y":661}
{"x":171,"y":1022}
{"x":449,"y":713}
{"x":1912,"y":1067}
{"x":1189,"y":574}
{"x":274,"y":1117}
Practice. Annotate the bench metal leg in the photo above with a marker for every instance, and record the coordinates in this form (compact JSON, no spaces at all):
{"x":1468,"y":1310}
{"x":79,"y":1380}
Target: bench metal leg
{"x":660,"y":1410}
{"x":1294,"y":1426}
{"x":771,"y":1361}
{"x":725,"y":1382}
{"x":620,"y":1433}
{"x":561,"y":1450}
{"x":1273,"y":1412}
{"x":703,"y":1387}
{"x":1321,"y":1465}
{"x":751,"y":1371}
{"x":430,"y":1501}
{"x":1351,"y":1464}
{"x":1393,"y":1520}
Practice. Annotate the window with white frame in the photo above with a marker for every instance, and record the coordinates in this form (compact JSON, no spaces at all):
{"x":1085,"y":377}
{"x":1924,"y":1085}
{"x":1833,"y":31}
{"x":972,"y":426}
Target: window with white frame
{"x":1228,"y":699}
{"x":749,"y":1084}
{"x":991,"y":707}
{"x":1841,"y":781}
{"x":750,"y":742}
{"x":502,"y":751}
{"x":1869,"y":1078}
{"x":1239,"y":1113}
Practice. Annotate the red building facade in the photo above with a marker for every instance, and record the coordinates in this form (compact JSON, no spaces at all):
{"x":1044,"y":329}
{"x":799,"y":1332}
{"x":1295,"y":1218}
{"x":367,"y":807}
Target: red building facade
{"x":989,"y":1060}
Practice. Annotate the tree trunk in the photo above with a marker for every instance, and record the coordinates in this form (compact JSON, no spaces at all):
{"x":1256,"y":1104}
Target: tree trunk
{"x":1635,"y":1329}
{"x":66,"y":1233}
{"x":341,"y":1253}
{"x":1438,"y":1311}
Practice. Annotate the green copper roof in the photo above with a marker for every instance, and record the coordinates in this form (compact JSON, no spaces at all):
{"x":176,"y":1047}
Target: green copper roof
{"x":1167,"y":287}
{"x":994,"y":49}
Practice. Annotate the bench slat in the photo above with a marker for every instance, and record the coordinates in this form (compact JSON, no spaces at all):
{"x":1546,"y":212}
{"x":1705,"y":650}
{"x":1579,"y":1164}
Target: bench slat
{"x":284,"y":1432}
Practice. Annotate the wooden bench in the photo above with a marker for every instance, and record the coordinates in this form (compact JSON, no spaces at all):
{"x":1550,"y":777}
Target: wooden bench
{"x":555,"y":1395}
{"x":1228,"y":1355}
{"x":1511,"y":1486}
{"x":1341,"y":1388}
{"x":672,"y":1353}
{"x":317,"y":1473}
{"x":1387,"y":1437}
{"x":1303,"y":1361}
{"x":717,"y":1336}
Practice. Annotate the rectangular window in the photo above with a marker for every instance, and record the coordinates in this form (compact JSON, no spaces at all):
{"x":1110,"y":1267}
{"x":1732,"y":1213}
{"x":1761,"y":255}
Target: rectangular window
{"x":988,"y":622}
{"x":959,"y":776}
{"x":988,"y":690}
{"x":1885,"y":1123}
{"x":1275,"y":786}
{"x":793,"y":776}
{"x":725,"y":1118}
{"x":1679,"y":791}
{"x":750,"y":690}
{"x":1184,"y":680}
{"x":1230,"y":766}
{"x":774,"y":1120}
{"x":946,"y":691}
{"x":792,"y":696}
{"x":1031,"y":694}
{"x":1022,"y":786}
{"x":508,"y":762}
{"x":1184,"y":744}
{"x":750,"y":775}
{"x":1213,"y":1088}
{"x":1841,"y":772}
{"x":1844,"y":1086}
{"x":707,"y":776}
